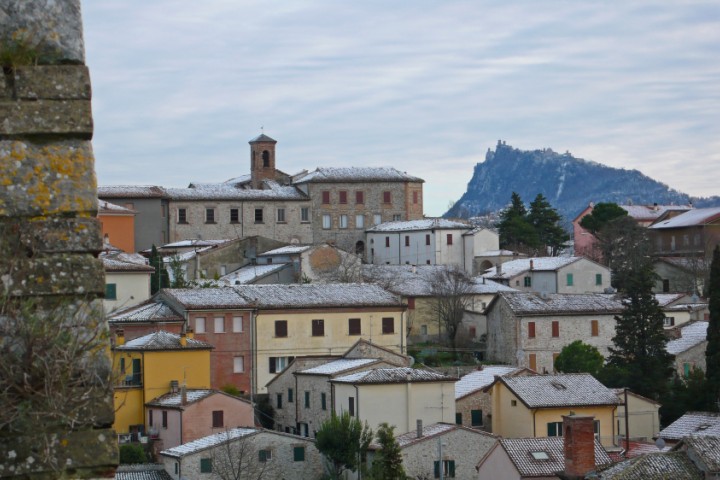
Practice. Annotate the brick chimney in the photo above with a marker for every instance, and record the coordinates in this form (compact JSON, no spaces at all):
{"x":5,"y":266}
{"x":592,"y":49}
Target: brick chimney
{"x":579,"y":440}
{"x":119,"y":337}
{"x":183,"y":339}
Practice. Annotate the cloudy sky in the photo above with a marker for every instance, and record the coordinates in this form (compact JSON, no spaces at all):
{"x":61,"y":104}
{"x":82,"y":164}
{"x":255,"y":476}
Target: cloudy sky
{"x":179,"y":87}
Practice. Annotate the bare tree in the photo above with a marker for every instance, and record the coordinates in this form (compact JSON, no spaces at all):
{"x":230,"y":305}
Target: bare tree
{"x":239,"y":458}
{"x":331,"y":264}
{"x":452,"y":294}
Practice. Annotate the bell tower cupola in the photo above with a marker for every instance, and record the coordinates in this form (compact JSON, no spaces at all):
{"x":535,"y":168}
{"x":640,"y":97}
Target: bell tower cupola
{"x":262,"y":159}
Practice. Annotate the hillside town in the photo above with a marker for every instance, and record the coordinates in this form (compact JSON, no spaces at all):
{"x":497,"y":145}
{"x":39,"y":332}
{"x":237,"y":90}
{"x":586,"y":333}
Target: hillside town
{"x":318,"y":324}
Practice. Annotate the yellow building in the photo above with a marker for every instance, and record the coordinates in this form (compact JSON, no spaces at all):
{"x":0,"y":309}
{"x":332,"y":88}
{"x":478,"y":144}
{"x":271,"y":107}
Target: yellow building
{"x":533,"y":406}
{"x":153,"y":365}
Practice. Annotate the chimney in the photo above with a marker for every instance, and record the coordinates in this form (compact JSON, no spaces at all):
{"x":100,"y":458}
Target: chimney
{"x":119,"y":337}
{"x":532,"y":265}
{"x":414,"y":269}
{"x":190,"y":333}
{"x":174,"y":386}
{"x":419,"y":428}
{"x":183,"y":395}
{"x":183,"y":339}
{"x":579,"y":445}
{"x":498,"y":268}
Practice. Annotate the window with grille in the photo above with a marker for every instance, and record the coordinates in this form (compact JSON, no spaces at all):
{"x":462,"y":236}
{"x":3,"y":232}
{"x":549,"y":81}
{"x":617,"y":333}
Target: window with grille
{"x":258,"y":215}
{"x":281,"y":215}
{"x":234,"y":215}
{"x":209,"y":215}
{"x":182,"y":215}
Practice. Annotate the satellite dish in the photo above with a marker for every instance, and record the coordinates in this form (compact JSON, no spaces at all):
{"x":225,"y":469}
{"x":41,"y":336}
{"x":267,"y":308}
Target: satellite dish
{"x":660,"y":443}
{"x":412,"y":361}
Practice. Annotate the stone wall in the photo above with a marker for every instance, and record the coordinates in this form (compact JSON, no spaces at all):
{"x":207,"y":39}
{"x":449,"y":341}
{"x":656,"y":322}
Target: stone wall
{"x":51,"y":282}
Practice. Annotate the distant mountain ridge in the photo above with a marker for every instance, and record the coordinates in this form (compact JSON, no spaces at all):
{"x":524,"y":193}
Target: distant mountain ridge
{"x":568,"y":183}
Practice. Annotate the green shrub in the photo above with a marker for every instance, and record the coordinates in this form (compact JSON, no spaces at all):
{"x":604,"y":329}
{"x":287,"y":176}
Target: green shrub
{"x":132,"y":453}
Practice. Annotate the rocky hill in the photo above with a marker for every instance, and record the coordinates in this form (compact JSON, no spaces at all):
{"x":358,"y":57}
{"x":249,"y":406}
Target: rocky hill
{"x":569,"y":183}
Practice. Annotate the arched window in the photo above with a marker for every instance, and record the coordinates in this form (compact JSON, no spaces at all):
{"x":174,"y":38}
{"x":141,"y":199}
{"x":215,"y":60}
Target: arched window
{"x":360,"y":248}
{"x":266,"y":159}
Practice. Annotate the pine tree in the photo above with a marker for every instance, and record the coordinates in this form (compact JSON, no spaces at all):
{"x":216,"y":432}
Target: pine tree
{"x":515,"y":231}
{"x":546,"y":221}
{"x":712,"y":352}
{"x":388,"y":461}
{"x":639,"y":359}
{"x":343,"y":441}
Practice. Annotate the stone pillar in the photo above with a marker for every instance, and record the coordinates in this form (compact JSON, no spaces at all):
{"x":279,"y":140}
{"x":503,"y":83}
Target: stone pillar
{"x":579,"y":443}
{"x":56,"y":408}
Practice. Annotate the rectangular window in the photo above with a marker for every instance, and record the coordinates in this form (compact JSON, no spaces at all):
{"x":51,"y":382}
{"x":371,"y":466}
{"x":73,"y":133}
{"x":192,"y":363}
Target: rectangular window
{"x":397,"y":217}
{"x":598,"y":279}
{"x":531,"y":329}
{"x":299,"y":454}
{"x":351,"y":406}
{"x":307,"y":399}
{"x":318,"y":328}
{"x":278,"y":401}
{"x":281,"y":328}
{"x":219,"y":324}
{"x":164,"y":419}
{"x":377,"y":219}
{"x":238,"y":364}
{"x":258,"y":215}
{"x":387,"y":197}
{"x":594,"y":328}
{"x":343,"y":221}
{"x":569,"y":278}
{"x":687,"y":367}
{"x":234,"y":215}
{"x":277,"y":364}
{"x":264,"y":455}
{"x":476,"y":418}
{"x":291,"y":395}
{"x":209,"y":215}
{"x":327,"y":222}
{"x":150,"y":417}
{"x":218,"y":420}
{"x":411,"y":303}
{"x":237,"y":324}
{"x":458,"y":418}
{"x":359,"y":197}
{"x":407,"y":240}
{"x":448,"y":467}
{"x":532,"y":361}
{"x":666,"y":285}
{"x":554,"y":429}
{"x":668,"y":321}
{"x":200,"y":325}
{"x":323,"y":401}
{"x":387,"y":242}
{"x":182,"y":215}
{"x":342,"y":194}
{"x":353,"y":326}
{"x":423,"y":330}
{"x":388,"y":325}
{"x":415,"y":197}
{"x":527,"y":281}
{"x":281,"y":215}
{"x":304,"y":214}
{"x":555,"y":328}
{"x":427,"y":239}
{"x":326,"y":197}
{"x":110,"y":291}
{"x":359,"y":221}
{"x":206,"y":465}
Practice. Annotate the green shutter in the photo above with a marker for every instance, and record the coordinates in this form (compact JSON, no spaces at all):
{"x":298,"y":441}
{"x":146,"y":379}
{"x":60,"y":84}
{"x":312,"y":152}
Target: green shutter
{"x":570,"y":279}
{"x":476,"y":418}
{"x":437,"y":469}
{"x":458,"y":418}
{"x":262,"y":455}
{"x":552,"y":430}
{"x":598,"y":279}
{"x":299,"y":454}
{"x":110,"y":291}
{"x":323,"y":401}
{"x":451,"y":469}
{"x":307,"y":399}
{"x":205,"y":465}
{"x":290,"y":395}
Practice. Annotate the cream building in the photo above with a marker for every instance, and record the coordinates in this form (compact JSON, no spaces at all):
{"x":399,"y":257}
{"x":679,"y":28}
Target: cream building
{"x":127,"y":280}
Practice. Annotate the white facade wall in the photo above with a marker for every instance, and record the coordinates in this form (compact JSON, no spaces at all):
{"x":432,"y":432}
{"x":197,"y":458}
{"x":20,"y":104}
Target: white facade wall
{"x":131,"y":288}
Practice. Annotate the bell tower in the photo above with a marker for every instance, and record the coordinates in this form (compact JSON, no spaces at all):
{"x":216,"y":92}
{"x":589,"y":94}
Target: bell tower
{"x":262,"y":159}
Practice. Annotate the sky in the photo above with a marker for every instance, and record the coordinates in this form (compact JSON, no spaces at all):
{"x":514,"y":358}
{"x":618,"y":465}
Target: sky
{"x":427,"y":87}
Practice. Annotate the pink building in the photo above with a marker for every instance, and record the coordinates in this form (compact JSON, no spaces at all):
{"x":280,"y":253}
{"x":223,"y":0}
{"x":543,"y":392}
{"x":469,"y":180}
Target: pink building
{"x":183,"y":416}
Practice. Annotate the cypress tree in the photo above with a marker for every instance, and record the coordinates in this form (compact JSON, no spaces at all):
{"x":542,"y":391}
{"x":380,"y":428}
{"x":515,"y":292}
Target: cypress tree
{"x":159,"y":279}
{"x":388,"y":462}
{"x":712,"y":353}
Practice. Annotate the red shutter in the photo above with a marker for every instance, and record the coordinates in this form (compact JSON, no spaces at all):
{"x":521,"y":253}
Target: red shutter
{"x":531,"y":329}
{"x":555,"y":328}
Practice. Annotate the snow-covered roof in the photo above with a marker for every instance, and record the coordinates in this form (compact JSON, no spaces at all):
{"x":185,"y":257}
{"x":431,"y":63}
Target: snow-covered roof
{"x":175,"y":399}
{"x":194,"y":244}
{"x":287,"y":250}
{"x":693,"y":423}
{"x":411,"y":281}
{"x":142,"y":471}
{"x":211,"y":298}
{"x":690,"y":335}
{"x":478,"y":379}
{"x":131,"y":191}
{"x":521,"y":450}
{"x":208,"y":442}
{"x":393,"y":375}
{"x":117,"y":261}
{"x":250,"y":274}
{"x":429,"y":432}
{"x":650,"y":212}
{"x":422,"y":224}
{"x":338,"y":366}
{"x":707,"y":448}
{"x":357,"y":174}
{"x":149,"y":311}
{"x":318,"y":295}
{"x":514,"y":268}
{"x":529,"y":303}
{"x":675,"y":465}
{"x":162,"y":340}
{"x":665,"y":299}
{"x":107,"y":208}
{"x":691,"y":218}
{"x":224,"y":191}
{"x":567,"y":390}
{"x":240,"y":179}
{"x":497,"y":253}
{"x":686,"y":263}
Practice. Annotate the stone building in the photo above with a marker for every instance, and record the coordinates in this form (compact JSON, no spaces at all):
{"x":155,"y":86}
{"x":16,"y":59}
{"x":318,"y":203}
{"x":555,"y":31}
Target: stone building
{"x":688,"y":350}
